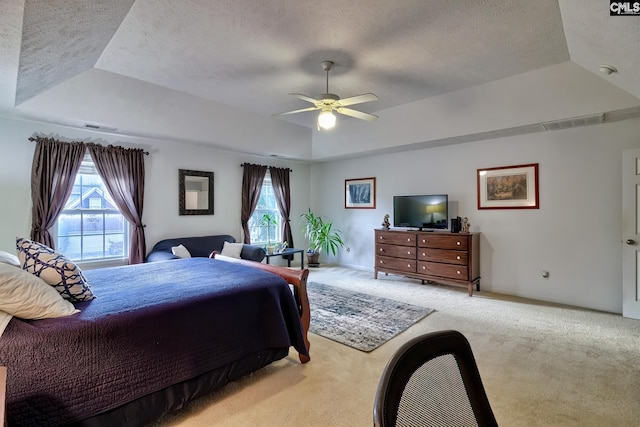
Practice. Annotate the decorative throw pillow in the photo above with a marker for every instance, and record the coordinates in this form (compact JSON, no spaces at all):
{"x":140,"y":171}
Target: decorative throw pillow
{"x":181,"y":251}
{"x":232,"y":249}
{"x":55,"y":269}
{"x":7,"y":258}
{"x":26,"y":296}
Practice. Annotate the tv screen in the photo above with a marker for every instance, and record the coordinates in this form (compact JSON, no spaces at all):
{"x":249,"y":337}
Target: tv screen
{"x":429,"y":211}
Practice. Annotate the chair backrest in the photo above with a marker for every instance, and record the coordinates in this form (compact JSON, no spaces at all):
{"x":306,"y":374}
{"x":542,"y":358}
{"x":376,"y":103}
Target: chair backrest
{"x":432,"y":380}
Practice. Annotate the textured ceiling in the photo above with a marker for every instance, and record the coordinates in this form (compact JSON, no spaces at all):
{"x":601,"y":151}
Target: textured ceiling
{"x":249,"y":55}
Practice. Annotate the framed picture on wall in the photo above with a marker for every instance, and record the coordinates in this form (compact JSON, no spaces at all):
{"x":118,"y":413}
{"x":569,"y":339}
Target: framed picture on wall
{"x":508,"y":187}
{"x":360,"y":193}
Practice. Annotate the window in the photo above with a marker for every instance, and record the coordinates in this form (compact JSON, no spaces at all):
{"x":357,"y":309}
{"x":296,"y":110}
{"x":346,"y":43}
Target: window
{"x":91,"y":228}
{"x":266,"y":204}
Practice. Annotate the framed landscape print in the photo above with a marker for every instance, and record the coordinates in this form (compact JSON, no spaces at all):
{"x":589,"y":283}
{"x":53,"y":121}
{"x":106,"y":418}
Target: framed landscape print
{"x":508,"y":187}
{"x":360,"y":193}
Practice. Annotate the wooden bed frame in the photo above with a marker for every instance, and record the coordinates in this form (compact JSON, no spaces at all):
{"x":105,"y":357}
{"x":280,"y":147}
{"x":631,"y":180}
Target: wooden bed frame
{"x":3,"y":395}
{"x":295,"y":277}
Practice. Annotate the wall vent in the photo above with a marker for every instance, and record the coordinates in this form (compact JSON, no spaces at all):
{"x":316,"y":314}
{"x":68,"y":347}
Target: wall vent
{"x":98,"y":127}
{"x":574,"y":122}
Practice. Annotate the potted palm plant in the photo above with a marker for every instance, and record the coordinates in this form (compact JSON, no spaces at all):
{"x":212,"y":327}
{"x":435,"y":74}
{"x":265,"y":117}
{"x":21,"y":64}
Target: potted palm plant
{"x":321,"y":235}
{"x":268,"y":220}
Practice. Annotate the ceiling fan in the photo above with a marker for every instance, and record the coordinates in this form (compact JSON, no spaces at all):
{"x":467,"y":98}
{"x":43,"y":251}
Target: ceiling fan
{"x":327,"y":103}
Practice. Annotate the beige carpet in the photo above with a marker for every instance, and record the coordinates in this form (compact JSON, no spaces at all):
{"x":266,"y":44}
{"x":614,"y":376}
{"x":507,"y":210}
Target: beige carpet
{"x":542,"y":364}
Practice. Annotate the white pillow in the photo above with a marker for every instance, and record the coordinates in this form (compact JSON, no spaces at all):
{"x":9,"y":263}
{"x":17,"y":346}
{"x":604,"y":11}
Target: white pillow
{"x":55,"y":269}
{"x":181,"y":251}
{"x":4,"y":321}
{"x":29,"y":297}
{"x":232,"y":250}
{"x":8,"y":258}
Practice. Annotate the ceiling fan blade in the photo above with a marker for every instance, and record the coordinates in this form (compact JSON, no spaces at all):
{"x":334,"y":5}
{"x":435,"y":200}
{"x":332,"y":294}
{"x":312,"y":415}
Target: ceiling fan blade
{"x":296,"y":111}
{"x":357,"y":114}
{"x":358,"y":99}
{"x":304,"y":97}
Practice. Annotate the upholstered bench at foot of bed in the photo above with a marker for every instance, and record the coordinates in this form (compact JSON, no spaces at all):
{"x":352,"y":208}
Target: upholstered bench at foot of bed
{"x":202,"y":246}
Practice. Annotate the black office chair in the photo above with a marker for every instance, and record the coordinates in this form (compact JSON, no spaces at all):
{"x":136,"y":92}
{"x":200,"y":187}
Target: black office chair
{"x":432,"y":380}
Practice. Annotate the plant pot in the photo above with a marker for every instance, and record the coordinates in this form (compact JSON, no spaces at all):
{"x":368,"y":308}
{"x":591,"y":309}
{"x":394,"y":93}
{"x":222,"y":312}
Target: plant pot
{"x":270,"y":250}
{"x":313,"y":259}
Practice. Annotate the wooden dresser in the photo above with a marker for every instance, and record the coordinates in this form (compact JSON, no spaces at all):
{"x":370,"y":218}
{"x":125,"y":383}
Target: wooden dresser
{"x":451,"y":258}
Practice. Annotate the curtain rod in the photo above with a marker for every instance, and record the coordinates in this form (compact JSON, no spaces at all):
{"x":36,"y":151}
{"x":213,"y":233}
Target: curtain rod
{"x":32,"y":139}
{"x":268,"y":167}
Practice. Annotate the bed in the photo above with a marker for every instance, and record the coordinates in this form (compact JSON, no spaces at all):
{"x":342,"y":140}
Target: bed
{"x":155,"y":337}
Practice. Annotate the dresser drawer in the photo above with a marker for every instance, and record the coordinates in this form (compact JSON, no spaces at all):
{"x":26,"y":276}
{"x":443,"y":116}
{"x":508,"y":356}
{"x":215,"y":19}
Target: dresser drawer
{"x":443,"y":255}
{"x":395,"y":238}
{"x":398,"y":264}
{"x":396,"y":251}
{"x":450,"y":271}
{"x":448,"y":241}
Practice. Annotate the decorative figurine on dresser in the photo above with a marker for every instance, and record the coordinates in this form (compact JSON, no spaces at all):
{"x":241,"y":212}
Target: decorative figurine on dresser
{"x":386,"y":224}
{"x":466,"y":225}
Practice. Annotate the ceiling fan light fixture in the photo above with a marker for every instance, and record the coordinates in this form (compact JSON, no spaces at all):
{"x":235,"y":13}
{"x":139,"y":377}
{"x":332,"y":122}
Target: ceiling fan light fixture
{"x":326,"y":119}
{"x":331,"y":104}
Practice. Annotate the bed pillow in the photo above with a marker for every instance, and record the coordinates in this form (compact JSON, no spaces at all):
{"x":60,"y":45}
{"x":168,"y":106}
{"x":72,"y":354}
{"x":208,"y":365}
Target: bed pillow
{"x":181,"y":251}
{"x":4,"y":321}
{"x":7,"y":258}
{"x":55,"y":269}
{"x":27,"y":296}
{"x":232,"y":250}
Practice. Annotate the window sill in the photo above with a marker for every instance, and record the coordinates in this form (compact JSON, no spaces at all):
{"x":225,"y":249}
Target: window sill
{"x":90,"y":265}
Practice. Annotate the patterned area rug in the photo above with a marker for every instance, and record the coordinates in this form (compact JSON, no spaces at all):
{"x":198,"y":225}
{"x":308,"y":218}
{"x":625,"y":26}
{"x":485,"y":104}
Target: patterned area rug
{"x":358,"y":320}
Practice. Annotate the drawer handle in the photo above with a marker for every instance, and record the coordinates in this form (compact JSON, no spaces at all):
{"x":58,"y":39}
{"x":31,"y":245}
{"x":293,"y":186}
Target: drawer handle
{"x":424,"y":268}
{"x":408,"y":239}
{"x":381,"y":262}
{"x":408,"y":252}
{"x":380,"y":237}
{"x":458,"y":272}
{"x":409,"y":265}
{"x":424,"y":254}
{"x":381,"y":250}
{"x":424,"y":241}
{"x":458,"y":243}
{"x":458,"y":257}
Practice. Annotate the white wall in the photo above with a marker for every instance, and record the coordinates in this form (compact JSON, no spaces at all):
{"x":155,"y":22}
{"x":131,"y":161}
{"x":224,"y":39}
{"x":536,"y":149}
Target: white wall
{"x":575,"y":235}
{"x":161,"y":193}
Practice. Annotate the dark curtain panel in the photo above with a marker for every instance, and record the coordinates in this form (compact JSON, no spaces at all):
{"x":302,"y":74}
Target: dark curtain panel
{"x":122,"y":170}
{"x":280,"y":182}
{"x":54,"y":169}
{"x":252,"y":178}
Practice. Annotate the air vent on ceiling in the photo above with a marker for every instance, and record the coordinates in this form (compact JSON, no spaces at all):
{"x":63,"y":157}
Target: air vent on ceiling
{"x":574,"y":122}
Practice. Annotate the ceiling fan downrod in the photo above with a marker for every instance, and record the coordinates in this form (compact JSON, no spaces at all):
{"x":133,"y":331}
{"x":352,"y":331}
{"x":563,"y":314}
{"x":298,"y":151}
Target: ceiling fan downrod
{"x":326,"y":66}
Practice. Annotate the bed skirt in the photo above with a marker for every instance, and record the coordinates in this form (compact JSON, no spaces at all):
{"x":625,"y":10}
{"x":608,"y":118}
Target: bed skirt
{"x":156,"y":405}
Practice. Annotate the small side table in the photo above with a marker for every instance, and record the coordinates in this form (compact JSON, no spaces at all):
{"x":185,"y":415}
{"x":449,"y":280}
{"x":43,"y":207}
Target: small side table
{"x":289,"y":251}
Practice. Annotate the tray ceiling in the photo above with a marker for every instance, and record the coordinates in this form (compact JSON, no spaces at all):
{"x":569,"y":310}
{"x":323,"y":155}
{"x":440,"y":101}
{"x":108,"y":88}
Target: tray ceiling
{"x":247,"y":56}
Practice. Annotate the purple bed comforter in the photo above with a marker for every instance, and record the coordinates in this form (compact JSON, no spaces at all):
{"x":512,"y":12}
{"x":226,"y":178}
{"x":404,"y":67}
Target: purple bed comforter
{"x":150,"y":326}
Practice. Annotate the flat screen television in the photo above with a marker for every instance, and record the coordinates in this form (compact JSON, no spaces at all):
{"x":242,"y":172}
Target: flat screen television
{"x":425,"y":212}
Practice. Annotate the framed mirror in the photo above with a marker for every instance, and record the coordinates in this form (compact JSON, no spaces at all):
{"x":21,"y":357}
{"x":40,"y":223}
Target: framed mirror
{"x":195,"y":192}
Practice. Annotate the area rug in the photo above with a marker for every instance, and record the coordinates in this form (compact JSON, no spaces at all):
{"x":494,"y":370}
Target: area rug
{"x":359,"y":320}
